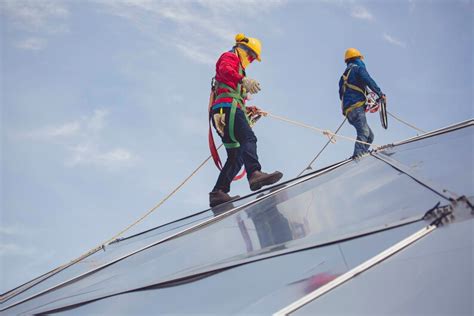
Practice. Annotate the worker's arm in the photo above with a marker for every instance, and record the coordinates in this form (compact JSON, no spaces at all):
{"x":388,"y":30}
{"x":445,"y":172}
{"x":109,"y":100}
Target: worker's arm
{"x":368,"y":81}
{"x":227,"y":69}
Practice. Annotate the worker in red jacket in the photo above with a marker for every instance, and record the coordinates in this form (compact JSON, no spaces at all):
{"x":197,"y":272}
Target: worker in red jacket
{"x":229,"y":117}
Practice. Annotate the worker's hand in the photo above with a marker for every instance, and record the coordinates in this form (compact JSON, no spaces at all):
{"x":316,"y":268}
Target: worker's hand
{"x":383,"y":97}
{"x":252,"y":109}
{"x":251,"y":85}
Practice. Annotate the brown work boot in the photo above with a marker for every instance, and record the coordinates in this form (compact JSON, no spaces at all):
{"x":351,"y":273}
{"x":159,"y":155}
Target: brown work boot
{"x":258,"y":179}
{"x":219,"y":197}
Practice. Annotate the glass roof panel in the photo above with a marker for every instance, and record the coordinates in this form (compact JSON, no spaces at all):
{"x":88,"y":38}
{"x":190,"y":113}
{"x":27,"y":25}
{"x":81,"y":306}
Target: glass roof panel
{"x":446,"y":159}
{"x":353,"y":199}
{"x":252,"y":289}
{"x":356,"y":198}
{"x":433,"y":276}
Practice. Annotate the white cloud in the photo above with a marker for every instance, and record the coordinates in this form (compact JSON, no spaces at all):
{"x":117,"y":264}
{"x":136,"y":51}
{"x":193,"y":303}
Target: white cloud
{"x":200,"y":27}
{"x":197,"y":53}
{"x":11,"y":230}
{"x":16,"y":250}
{"x":42,"y":18}
{"x":354,"y":9}
{"x":248,"y":8}
{"x":97,"y":121}
{"x":31,"y":43}
{"x":392,"y":40}
{"x":51,"y":133}
{"x":90,"y":154}
{"x":37,"y":15}
{"x":82,"y":140}
{"x":16,"y":232}
{"x":85,"y":126}
{"x":362,"y":13}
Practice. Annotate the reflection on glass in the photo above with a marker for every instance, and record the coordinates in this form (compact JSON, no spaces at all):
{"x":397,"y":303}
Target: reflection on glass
{"x":259,"y":288}
{"x":351,"y":199}
{"x":271,"y":226}
{"x":432,"y":276}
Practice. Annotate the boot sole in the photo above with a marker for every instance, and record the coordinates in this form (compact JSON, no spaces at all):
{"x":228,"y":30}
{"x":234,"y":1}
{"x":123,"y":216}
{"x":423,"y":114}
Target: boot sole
{"x":273,"y":179}
{"x":222,"y":203}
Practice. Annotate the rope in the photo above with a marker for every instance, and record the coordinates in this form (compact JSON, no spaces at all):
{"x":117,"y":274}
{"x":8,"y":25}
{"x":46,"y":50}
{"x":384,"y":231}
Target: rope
{"x":406,"y":123}
{"x":324,"y":132}
{"x":321,"y":151}
{"x":162,"y":201}
{"x":328,"y":133}
{"x":102,"y":246}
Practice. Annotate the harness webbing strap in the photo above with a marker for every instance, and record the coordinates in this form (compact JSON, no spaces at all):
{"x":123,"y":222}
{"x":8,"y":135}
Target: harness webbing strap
{"x":234,"y":93}
{"x":237,"y":99}
{"x":237,"y":102}
{"x":346,"y":86}
{"x":235,"y":143}
{"x":356,"y":88}
{"x":354,"y":106}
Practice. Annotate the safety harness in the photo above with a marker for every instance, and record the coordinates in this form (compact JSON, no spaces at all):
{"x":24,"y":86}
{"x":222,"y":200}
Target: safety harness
{"x":237,"y":102}
{"x":346,"y":85}
{"x":374,"y":104}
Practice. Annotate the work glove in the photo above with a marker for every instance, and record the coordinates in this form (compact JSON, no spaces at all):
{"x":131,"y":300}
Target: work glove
{"x":251,"y":85}
{"x":252,"y":109}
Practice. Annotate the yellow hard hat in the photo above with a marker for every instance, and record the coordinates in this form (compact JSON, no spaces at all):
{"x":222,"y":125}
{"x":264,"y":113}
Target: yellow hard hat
{"x":352,"y":53}
{"x":250,"y":42}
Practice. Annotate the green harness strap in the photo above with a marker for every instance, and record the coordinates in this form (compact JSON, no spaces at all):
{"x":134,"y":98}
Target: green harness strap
{"x":235,"y":143}
{"x":353,"y":87}
{"x":237,"y":98}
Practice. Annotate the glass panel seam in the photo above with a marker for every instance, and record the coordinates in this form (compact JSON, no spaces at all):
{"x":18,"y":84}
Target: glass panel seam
{"x":426,"y":183}
{"x":176,"y":235}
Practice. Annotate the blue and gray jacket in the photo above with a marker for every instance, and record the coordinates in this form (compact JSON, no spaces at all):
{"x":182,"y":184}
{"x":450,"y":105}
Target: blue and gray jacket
{"x":352,"y":86}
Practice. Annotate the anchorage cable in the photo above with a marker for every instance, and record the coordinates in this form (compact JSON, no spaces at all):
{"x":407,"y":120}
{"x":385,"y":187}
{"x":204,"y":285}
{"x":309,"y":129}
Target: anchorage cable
{"x":322,"y":149}
{"x":406,"y":123}
{"x":327,"y":133}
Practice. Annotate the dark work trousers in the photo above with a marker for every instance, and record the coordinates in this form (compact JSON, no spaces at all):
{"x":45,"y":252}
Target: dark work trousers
{"x":245,"y":154}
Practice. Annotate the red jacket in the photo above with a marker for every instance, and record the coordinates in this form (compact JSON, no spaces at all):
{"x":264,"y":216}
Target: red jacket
{"x":227,"y":71}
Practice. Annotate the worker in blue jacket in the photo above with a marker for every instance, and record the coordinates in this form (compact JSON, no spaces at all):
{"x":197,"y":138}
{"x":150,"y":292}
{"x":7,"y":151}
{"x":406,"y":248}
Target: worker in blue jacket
{"x":352,"y":94}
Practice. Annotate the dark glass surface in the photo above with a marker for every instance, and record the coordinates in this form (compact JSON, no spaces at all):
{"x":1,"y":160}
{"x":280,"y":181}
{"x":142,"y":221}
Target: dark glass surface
{"x":253,"y":288}
{"x":113,"y":251}
{"x":447,"y":159}
{"x":355,"y":198}
{"x":359,"y":197}
{"x":434,"y":276}
{"x":123,"y":247}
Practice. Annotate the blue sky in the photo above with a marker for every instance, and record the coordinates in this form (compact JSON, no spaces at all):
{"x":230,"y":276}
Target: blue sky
{"x":104,"y":103}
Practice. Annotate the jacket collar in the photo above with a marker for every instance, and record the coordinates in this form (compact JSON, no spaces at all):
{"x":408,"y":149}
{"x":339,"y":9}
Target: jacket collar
{"x":356,"y":62}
